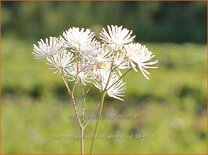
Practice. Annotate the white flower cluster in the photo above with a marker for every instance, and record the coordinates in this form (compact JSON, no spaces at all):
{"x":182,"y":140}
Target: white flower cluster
{"x":80,"y":57}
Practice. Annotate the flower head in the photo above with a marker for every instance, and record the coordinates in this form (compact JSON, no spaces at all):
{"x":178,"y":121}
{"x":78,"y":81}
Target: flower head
{"x":61,"y":61}
{"x":101,"y":54}
{"x":116,"y":36}
{"x":120,"y":61}
{"x":90,"y":49}
{"x":78,"y":38}
{"x":79,"y":72}
{"x":117,"y":89}
{"x":112,"y":84}
{"x":48,"y":47}
{"x":140,"y":55}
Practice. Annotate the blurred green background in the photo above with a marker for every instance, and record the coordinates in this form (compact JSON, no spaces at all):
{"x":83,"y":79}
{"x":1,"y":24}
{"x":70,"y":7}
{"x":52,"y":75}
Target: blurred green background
{"x":172,"y":104}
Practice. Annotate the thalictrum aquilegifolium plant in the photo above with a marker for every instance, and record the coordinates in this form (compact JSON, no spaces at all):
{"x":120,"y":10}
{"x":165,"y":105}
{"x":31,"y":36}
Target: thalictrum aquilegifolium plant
{"x":79,"y":58}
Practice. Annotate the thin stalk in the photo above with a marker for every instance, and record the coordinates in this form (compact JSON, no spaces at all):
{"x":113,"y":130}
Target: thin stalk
{"x":76,"y":111}
{"x":109,"y":76}
{"x":97,"y":122}
{"x":81,"y":121}
{"x":83,"y":103}
{"x":83,"y":114}
{"x":71,"y":93}
{"x":93,"y":111}
{"x":82,"y":141}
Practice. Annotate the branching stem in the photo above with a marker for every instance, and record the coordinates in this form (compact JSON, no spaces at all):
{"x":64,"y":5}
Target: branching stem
{"x":71,"y":93}
{"x":97,"y":122}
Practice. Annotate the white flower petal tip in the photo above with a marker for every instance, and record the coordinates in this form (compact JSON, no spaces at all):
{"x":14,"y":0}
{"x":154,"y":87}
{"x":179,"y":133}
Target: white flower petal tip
{"x":48,"y":47}
{"x":116,"y":37}
{"x":99,"y":55}
{"x":77,"y":38}
{"x":140,"y":55}
{"x":112,"y":84}
{"x":79,"y":72}
{"x":60,"y":62}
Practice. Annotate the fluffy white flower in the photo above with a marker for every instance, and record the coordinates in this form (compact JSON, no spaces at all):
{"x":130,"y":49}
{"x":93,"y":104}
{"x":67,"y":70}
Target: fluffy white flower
{"x":121,"y":61}
{"x":48,"y":48}
{"x":139,"y":54}
{"x":78,"y":38}
{"x":90,"y":48}
{"x":60,"y":61}
{"x":79,"y":72}
{"x":98,"y":55}
{"x":96,"y":62}
{"x":117,"y":89}
{"x":116,"y":36}
{"x":112,"y":84}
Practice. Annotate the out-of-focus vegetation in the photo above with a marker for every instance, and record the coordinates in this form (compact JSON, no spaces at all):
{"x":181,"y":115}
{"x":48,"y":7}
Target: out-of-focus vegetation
{"x":150,"y":21}
{"x":172,"y":104}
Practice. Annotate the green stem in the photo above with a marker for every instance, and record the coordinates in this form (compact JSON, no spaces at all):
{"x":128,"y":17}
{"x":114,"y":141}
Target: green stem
{"x":83,"y":113}
{"x":82,"y":141}
{"x":97,"y":122}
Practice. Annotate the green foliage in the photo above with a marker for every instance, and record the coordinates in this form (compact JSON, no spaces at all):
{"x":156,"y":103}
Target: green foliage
{"x":171,"y":104}
{"x":151,"y":21}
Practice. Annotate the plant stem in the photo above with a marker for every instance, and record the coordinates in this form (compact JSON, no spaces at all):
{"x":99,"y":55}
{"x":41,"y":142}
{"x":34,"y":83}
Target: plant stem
{"x":97,"y":122}
{"x":75,"y":110}
{"x":82,"y":141}
{"x":71,"y":93}
{"x":83,"y":114}
{"x":91,"y":114}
